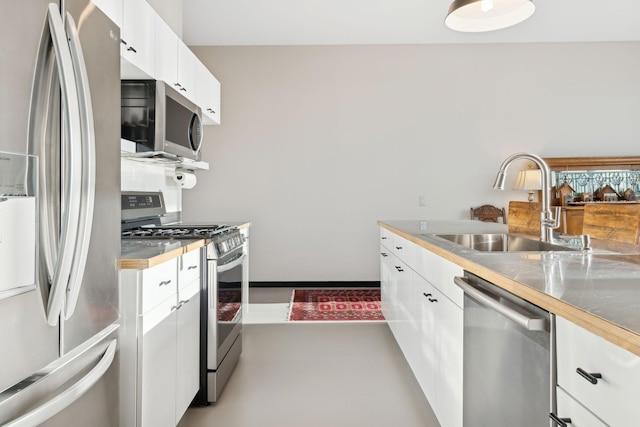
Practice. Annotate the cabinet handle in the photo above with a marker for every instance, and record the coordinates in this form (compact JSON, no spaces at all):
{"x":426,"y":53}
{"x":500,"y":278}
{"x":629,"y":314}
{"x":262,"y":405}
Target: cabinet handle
{"x":426,"y":294}
{"x":383,"y":238}
{"x":183,"y":89}
{"x":591,"y":377}
{"x":399,"y":268}
{"x":132,"y":49}
{"x":123,"y":42}
{"x":177,"y":307}
{"x":432,"y":299}
{"x":177,"y":85}
{"x":191,"y":267}
{"x":383,"y":254}
{"x":399,"y":247}
{"x":562,"y":422}
{"x":164,"y":283}
{"x":211,"y":110}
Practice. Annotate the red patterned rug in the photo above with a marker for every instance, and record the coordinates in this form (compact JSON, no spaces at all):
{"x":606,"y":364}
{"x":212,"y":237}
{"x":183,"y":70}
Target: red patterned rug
{"x":229,"y":303}
{"x":335,"y":304}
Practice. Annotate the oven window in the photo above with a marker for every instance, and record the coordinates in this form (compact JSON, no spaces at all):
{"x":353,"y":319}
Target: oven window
{"x":229,"y":301}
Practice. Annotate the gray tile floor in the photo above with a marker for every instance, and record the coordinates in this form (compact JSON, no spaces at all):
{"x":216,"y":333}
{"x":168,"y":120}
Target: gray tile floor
{"x":317,"y":375}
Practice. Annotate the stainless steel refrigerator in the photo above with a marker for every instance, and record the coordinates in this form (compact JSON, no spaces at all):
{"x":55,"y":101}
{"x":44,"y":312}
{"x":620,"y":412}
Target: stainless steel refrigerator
{"x":60,"y":114}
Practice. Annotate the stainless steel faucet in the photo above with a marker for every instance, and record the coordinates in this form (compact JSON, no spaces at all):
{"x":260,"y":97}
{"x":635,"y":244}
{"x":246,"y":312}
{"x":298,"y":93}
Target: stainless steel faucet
{"x":547,"y":220}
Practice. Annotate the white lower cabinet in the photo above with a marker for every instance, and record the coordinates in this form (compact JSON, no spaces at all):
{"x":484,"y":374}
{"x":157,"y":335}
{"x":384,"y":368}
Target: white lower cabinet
{"x":187,"y":347}
{"x":426,"y":322}
{"x":158,"y":373}
{"x":160,"y":341}
{"x":598,"y":375}
{"x":449,"y":357}
{"x":573,"y":413}
{"x":426,"y":369}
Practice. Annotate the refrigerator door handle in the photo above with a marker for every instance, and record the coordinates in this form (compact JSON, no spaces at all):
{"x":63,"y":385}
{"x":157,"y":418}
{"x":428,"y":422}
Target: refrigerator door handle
{"x":88,"y":146}
{"x":78,"y":389}
{"x":70,"y":162}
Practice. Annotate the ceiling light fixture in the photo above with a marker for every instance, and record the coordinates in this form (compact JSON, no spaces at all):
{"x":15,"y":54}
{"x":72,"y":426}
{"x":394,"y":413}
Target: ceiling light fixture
{"x":475,"y":16}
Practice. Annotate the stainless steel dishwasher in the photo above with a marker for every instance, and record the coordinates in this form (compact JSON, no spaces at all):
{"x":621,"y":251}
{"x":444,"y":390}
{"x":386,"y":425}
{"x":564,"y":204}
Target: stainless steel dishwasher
{"x":507,"y":358}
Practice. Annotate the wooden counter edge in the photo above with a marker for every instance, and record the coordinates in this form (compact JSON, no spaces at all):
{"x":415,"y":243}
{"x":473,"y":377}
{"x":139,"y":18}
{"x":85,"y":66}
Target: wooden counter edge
{"x":611,"y":332}
{"x":143,"y":263}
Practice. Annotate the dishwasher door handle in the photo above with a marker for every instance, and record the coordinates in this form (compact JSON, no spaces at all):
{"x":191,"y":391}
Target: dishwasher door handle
{"x":529,"y":321}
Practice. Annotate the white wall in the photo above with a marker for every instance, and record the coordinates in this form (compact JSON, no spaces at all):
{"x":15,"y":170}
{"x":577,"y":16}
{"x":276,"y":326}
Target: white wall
{"x":317,"y":143}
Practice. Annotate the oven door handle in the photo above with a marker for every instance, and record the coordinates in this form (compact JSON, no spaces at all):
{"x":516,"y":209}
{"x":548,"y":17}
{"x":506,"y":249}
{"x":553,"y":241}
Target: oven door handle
{"x":228,"y":266}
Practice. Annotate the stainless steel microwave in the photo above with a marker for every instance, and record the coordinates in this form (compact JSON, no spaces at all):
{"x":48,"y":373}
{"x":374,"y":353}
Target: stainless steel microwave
{"x":160,"y":120}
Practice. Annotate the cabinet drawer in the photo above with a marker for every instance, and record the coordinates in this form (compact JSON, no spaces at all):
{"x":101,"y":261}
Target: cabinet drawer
{"x":386,"y":238}
{"x":189,"y":268}
{"x":613,"y":398}
{"x":158,"y":283}
{"x":570,"y":408}
{"x":404,"y":250}
{"x":440,"y":272}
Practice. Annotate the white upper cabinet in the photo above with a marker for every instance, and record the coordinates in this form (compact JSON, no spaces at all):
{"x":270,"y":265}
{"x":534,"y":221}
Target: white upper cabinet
{"x":151,"y":49}
{"x":187,"y":62}
{"x":166,"y":54}
{"x":111,"y":8}
{"x":138,"y":38}
{"x":208,"y":95}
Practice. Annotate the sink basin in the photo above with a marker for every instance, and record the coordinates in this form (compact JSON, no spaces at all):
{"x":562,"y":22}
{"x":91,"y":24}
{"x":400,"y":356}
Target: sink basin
{"x":501,"y":243}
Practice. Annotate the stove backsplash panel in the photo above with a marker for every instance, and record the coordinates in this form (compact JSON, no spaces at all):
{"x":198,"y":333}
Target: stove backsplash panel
{"x":138,"y":175}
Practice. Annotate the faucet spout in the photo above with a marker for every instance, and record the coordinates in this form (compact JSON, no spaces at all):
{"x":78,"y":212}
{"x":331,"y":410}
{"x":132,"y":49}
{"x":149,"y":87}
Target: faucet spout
{"x":548,"y":221}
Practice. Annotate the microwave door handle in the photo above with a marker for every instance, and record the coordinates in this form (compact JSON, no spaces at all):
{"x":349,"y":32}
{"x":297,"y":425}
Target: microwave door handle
{"x":88,"y":172}
{"x":50,"y":408}
{"x":71,"y":163}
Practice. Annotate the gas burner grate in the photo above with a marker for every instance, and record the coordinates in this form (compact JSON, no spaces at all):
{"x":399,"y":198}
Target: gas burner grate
{"x":178,"y":231}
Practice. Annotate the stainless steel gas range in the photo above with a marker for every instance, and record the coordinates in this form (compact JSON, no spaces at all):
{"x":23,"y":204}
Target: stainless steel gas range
{"x":223,"y":261}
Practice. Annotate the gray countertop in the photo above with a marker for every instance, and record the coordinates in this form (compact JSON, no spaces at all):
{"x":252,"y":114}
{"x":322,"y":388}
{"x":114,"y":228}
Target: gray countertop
{"x":599,"y":290}
{"x":144,"y":253}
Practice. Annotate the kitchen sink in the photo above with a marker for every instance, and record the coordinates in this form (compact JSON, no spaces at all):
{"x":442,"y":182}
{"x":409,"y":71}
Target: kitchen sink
{"x":501,"y":243}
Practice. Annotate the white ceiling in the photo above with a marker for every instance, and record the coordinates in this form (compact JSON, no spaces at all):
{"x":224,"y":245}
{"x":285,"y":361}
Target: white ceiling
{"x":327,"y":22}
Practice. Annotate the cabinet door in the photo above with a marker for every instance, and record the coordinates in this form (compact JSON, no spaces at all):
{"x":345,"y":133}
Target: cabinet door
{"x":426,"y":370}
{"x":158,"y":374}
{"x":137,"y":36}
{"x":449,"y":356}
{"x":166,"y":54}
{"x":208,"y":95}
{"x":187,"y":72}
{"x":188,"y":347}
{"x":406,"y":322}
